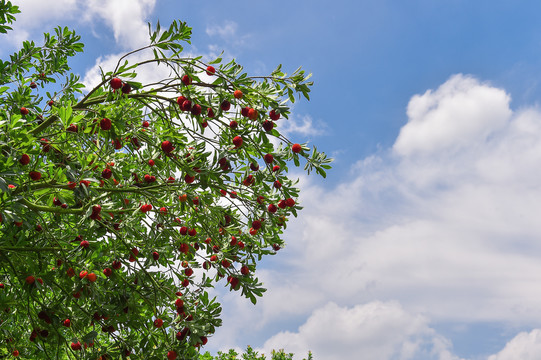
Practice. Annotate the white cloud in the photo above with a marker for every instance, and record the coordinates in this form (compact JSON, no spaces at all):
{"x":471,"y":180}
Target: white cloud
{"x":127,"y":18}
{"x":447,"y":228}
{"x":38,"y":14}
{"x":375,"y":330}
{"x":459,"y":113}
{"x":301,"y":125}
{"x":227,"y":31}
{"x":524,"y":346}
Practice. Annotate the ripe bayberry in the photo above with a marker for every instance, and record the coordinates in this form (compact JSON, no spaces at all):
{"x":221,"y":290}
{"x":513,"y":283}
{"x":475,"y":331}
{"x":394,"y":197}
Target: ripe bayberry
{"x":115,"y":83}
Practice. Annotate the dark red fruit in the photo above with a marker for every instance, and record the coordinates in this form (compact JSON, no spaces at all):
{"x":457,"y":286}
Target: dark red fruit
{"x":105,"y":124}
{"x":126,"y":88}
{"x":225,"y":105}
{"x":25,"y":159}
{"x":115,"y":83}
{"x":274,"y":115}
{"x":268,"y":125}
{"x":237,"y":141}
{"x":167,"y":147}
{"x":34,"y":175}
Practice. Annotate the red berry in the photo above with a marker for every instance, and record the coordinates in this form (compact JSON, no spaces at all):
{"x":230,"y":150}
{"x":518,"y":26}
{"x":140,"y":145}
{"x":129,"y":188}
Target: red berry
{"x":91,"y":277}
{"x":106,"y":173}
{"x":179,"y":303}
{"x":225,"y":105}
{"x":107,"y":272}
{"x":277,"y":184}
{"x":105,"y":124}
{"x":233,"y":124}
{"x":296,"y":148}
{"x":184,"y":248}
{"x":244,"y":111}
{"x":33,"y":85}
{"x":15,"y":353}
{"x":96,"y":209}
{"x":186,"y":80}
{"x":151,"y":162}
{"x":254,"y":166}
{"x":234,"y":282}
{"x":180,"y":100}
{"x":155,"y":255}
{"x":167,"y":147}
{"x":35,"y":175}
{"x":76,"y":346}
{"x":272,"y":208}
{"x":115,"y":83}
{"x":273,"y":115}
{"x":192,"y":232}
{"x":146,"y":124}
{"x":186,"y":105}
{"x":268,"y":158}
{"x":171,"y":355}
{"x":25,"y":159}
{"x":117,"y":264}
{"x":72,"y":128}
{"x":252,"y":114}
{"x":210,"y":113}
{"x":85,"y":244}
{"x":237,"y":94}
{"x":158,"y":323}
{"x":276,"y":168}
{"x":256,"y":224}
{"x":211,"y":70}
{"x":196,"y":110}
{"x":126,"y":88}
{"x":282,"y":204}
{"x":244,"y":270}
{"x":83,"y":274}
{"x":189,"y":178}
{"x":237,"y":141}
{"x":24,"y":111}
{"x":66,"y":323}
{"x":188,"y":272}
{"x":30,"y":280}
{"x":268,"y":125}
{"x":290,"y":202}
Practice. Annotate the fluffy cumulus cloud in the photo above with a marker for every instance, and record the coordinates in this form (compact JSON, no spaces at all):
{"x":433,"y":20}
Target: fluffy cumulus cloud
{"x":375,"y":331}
{"x":524,"y":346}
{"x":127,"y":18}
{"x":36,"y":15}
{"x":460,"y":112}
{"x":445,"y":223}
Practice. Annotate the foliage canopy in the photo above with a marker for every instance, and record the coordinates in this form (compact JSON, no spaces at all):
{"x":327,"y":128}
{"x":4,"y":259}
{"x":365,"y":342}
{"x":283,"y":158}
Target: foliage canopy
{"x":121,"y":206}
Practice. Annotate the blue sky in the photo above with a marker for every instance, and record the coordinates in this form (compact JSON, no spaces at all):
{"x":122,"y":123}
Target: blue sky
{"x":424,"y":241}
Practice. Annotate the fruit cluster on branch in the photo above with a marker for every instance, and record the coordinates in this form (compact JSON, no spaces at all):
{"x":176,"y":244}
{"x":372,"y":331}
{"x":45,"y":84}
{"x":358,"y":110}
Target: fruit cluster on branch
{"x":120,"y":208}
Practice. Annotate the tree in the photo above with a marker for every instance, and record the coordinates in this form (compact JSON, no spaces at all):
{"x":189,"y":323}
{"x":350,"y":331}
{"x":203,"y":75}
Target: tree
{"x":122,"y":205}
{"x":250,"y":354}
